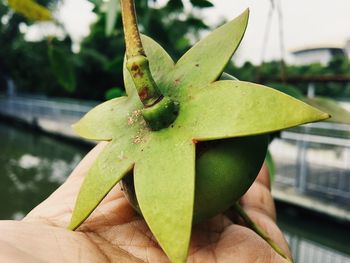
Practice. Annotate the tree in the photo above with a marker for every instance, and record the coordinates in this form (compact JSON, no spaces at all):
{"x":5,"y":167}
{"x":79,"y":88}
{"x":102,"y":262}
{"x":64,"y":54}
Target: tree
{"x":101,"y":56}
{"x":28,"y":63}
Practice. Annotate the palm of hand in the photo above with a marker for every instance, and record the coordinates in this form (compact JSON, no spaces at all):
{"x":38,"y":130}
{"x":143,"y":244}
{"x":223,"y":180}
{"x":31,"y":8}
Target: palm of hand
{"x":114,"y":233}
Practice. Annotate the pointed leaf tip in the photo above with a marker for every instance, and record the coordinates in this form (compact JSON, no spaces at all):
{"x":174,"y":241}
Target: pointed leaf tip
{"x":110,"y":119}
{"x":168,"y":207}
{"x":107,"y":170}
{"x":206,"y":60}
{"x":237,"y":108}
{"x":247,"y":11}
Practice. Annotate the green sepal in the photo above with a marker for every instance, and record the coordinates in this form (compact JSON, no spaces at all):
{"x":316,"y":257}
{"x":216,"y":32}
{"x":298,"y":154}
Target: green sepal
{"x":110,"y":167}
{"x":113,"y":118}
{"x":242,"y":109}
{"x":206,"y":60}
{"x":165,"y":190}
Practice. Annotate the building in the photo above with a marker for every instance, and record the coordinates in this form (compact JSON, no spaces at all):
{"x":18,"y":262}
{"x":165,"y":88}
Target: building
{"x":319,"y":53}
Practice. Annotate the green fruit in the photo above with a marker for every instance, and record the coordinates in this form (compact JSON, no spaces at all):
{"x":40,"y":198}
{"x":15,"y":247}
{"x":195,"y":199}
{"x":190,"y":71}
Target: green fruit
{"x":225,"y":169}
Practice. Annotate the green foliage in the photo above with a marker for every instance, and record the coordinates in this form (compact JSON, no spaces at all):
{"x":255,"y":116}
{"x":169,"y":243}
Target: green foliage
{"x":61,"y":66}
{"x":246,"y":72}
{"x":339,"y":65}
{"x":100,"y":61}
{"x":270,"y":72}
{"x":25,"y":75}
{"x":95,"y":2}
{"x":175,"y":5}
{"x":170,"y":24}
{"x":98,"y":65}
{"x":114,"y":93}
{"x":272,"y":68}
{"x":27,"y":63}
{"x":201,"y":3}
{"x":100,"y":58}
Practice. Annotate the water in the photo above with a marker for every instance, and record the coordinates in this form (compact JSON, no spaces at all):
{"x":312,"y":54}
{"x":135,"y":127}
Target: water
{"x":32,"y":166}
{"x":313,"y":238}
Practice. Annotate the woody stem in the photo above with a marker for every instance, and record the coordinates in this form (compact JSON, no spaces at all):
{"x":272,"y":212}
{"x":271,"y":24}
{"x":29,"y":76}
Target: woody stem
{"x":159,"y":111}
{"x":137,"y":62}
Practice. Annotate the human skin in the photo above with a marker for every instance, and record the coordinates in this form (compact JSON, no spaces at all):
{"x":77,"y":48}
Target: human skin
{"x":115,"y":233}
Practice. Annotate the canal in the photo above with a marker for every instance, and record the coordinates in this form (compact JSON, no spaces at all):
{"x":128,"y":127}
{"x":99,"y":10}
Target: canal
{"x":33,"y":165}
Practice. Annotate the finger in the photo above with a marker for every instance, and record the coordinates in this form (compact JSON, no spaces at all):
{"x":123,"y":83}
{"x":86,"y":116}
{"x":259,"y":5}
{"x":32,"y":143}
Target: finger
{"x":259,"y":198}
{"x":57,"y":209}
{"x":29,"y":242}
{"x":268,"y":225}
{"x":208,"y":233}
{"x":235,"y":244}
{"x":264,"y":176}
{"x":114,"y":210}
{"x":258,"y":203}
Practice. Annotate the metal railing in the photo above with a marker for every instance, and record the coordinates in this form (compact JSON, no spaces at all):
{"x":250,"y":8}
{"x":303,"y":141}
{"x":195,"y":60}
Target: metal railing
{"x":305,"y":251}
{"x":315,"y":164}
{"x":32,"y":109}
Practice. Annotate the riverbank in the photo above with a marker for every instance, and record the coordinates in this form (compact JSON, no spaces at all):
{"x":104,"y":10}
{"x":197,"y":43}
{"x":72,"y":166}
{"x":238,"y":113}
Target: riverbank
{"x":289,"y":196}
{"x":61,"y":130}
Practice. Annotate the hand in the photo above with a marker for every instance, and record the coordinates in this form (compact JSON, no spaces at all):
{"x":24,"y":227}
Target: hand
{"x":115,"y":233}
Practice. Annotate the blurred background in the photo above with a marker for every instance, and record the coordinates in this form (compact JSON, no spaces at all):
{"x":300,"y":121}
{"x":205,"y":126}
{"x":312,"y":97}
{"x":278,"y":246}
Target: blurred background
{"x":59,"y":58}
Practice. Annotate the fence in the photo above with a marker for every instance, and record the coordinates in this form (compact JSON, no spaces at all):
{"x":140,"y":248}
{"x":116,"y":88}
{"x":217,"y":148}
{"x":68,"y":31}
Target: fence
{"x":315,"y":159}
{"x":32,"y":109}
{"x":305,"y":251}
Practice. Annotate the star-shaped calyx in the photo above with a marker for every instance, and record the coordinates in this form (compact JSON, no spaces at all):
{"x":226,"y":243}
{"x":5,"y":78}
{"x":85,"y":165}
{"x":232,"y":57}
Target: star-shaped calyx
{"x":163,"y":162}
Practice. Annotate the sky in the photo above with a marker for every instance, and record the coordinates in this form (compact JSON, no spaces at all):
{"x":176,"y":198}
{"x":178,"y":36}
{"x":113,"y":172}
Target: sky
{"x":304,"y":23}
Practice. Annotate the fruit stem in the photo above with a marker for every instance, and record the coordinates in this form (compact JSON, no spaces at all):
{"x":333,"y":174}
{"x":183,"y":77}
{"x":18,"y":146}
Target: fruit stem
{"x":132,"y":36}
{"x":137,"y":62}
{"x":159,"y":111}
{"x":250,"y":223}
